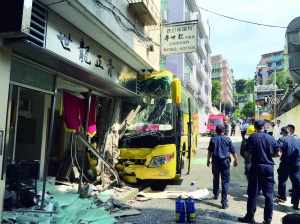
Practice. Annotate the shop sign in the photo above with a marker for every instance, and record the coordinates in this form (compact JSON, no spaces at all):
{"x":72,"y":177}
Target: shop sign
{"x":67,"y":42}
{"x":179,"y":39}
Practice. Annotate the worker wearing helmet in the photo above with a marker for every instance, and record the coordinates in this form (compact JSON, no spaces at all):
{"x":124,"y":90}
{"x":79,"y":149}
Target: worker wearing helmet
{"x":233,"y":125}
{"x":247,"y":160}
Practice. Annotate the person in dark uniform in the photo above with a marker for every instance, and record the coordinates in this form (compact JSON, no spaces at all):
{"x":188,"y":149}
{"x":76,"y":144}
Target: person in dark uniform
{"x":247,"y":159}
{"x":233,"y":125}
{"x":262,"y":147}
{"x":219,"y":150}
{"x":226,"y":126}
{"x":289,"y":166}
{"x":291,"y":219}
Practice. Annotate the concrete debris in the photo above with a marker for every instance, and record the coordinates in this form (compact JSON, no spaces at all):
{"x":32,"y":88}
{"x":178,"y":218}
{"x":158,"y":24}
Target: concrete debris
{"x":120,"y":204}
{"x":86,"y":190}
{"x":126,"y":213}
{"x":66,"y":206}
{"x":105,"y":195}
{"x":143,"y":199}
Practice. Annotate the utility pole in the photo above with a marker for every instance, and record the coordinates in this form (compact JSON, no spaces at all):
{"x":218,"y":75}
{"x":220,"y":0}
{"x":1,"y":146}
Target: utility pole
{"x":275,"y":108}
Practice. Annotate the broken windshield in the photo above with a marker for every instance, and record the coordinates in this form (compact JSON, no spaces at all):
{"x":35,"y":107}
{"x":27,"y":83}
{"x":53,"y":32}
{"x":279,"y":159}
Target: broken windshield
{"x":156,"y":113}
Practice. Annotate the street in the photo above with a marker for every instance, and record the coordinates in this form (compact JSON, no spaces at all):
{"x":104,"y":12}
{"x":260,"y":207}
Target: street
{"x":162,"y":210}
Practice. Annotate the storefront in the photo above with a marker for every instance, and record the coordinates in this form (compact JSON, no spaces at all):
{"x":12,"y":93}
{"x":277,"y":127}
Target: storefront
{"x":55,"y":59}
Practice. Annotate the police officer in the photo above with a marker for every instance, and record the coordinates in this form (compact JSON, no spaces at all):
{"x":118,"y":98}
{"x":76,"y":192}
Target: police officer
{"x":289,"y":166}
{"x":262,"y":147}
{"x":247,"y":159}
{"x":292,"y":131}
{"x":292,"y":134}
{"x":233,"y":125}
{"x":219,"y":150}
{"x":226,"y":128}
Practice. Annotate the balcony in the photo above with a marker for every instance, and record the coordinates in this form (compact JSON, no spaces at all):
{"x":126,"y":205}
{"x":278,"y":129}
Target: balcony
{"x":208,"y":84}
{"x":164,"y":15}
{"x":202,"y":95}
{"x":191,"y":16}
{"x":207,"y":45}
{"x":193,"y":57}
{"x":208,"y":65}
{"x":201,"y":71}
{"x":147,"y":12}
{"x":201,"y":48}
{"x":209,"y":104}
{"x":202,"y":25}
{"x":191,"y":81}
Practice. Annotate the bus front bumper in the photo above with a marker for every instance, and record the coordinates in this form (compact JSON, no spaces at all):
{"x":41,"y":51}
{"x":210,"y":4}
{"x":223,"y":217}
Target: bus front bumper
{"x":131,"y":171}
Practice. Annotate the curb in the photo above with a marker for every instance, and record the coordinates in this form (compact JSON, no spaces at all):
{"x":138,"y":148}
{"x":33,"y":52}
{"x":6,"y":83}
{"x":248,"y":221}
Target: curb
{"x":130,"y":195}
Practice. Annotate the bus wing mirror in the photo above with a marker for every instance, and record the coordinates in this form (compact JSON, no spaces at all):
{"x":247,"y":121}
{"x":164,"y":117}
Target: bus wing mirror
{"x":205,"y":123}
{"x":176,"y":91}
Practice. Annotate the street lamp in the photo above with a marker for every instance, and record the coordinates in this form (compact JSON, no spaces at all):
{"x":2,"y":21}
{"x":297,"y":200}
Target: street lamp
{"x":275,"y":100}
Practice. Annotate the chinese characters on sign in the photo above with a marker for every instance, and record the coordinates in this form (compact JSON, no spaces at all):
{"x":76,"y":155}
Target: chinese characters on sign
{"x":79,"y":49}
{"x":179,"y":39}
{"x":65,"y":41}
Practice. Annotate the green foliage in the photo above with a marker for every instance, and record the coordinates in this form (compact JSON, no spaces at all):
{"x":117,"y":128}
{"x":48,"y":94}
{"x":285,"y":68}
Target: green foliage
{"x":249,"y":86}
{"x":249,"y":109}
{"x":216,"y":91}
{"x":282,"y":80}
{"x":237,"y":114}
{"x":240,"y":86}
{"x":244,"y":87}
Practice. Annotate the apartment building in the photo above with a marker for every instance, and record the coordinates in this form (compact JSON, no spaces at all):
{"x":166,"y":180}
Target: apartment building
{"x":221,"y":71}
{"x":270,"y":61}
{"x":194,"y":69}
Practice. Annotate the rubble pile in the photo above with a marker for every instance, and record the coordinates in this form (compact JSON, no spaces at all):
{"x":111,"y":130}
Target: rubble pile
{"x":63,"y":204}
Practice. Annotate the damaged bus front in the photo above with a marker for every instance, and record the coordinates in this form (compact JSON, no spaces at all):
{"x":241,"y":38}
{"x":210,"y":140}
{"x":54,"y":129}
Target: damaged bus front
{"x":154,"y":144}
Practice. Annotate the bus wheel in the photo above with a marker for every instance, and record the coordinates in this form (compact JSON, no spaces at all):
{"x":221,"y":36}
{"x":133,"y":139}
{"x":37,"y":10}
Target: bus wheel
{"x":182,"y":163}
{"x":158,"y":186}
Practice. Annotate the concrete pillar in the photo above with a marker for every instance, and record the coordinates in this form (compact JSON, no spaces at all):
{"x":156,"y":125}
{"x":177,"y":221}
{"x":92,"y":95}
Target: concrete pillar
{"x":5,"y":62}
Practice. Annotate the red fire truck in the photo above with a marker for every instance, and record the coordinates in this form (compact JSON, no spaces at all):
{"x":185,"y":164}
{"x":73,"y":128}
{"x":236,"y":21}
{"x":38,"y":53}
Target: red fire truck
{"x":213,"y":121}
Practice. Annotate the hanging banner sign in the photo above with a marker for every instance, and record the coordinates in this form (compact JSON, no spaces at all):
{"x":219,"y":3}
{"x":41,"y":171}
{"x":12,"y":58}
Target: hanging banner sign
{"x":67,"y":42}
{"x":179,"y":39}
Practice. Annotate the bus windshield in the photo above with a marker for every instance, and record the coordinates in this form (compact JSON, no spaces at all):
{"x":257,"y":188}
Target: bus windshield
{"x":216,"y":122}
{"x":156,"y":113}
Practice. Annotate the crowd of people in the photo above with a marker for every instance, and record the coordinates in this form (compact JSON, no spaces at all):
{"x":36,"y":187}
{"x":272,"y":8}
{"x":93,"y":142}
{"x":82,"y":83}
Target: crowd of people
{"x":261,"y":141}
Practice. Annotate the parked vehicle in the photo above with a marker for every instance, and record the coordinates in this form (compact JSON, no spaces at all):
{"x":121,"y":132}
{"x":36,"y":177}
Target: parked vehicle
{"x":212,"y":122}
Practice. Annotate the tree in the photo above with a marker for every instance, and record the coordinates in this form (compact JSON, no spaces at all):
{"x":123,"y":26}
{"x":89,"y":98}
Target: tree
{"x":237,"y":114}
{"x":249,"y":108}
{"x":240,"y":86}
{"x":249,"y":86}
{"x":282,"y":80}
{"x":216,"y":91}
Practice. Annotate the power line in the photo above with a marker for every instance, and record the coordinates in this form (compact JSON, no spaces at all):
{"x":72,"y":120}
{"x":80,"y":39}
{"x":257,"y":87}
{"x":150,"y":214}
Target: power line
{"x":228,"y":17}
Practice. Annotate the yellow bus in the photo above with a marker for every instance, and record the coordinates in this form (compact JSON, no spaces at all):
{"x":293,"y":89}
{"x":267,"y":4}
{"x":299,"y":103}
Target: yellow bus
{"x":156,"y":143}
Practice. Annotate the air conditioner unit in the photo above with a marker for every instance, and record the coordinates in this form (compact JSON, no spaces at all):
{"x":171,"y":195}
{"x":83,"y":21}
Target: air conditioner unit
{"x":198,"y":93}
{"x":164,"y":15}
{"x":15,"y":17}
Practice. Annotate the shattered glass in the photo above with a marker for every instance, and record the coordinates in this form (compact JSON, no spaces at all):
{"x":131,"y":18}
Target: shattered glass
{"x":156,"y":113}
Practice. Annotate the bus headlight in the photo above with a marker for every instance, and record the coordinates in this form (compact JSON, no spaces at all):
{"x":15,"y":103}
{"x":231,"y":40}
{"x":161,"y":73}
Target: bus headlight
{"x":161,"y":160}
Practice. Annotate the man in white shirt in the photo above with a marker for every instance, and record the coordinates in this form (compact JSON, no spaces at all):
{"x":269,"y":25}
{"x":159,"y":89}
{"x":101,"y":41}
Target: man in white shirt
{"x":277,"y":129}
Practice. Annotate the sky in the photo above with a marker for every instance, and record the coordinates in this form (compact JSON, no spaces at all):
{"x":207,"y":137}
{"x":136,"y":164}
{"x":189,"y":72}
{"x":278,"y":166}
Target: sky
{"x":242,"y":44}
